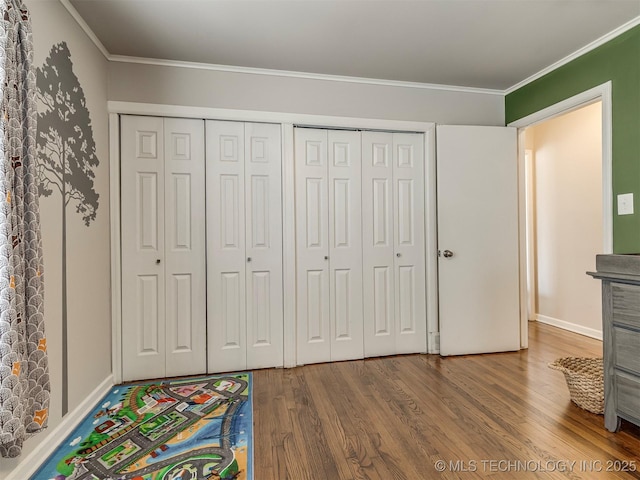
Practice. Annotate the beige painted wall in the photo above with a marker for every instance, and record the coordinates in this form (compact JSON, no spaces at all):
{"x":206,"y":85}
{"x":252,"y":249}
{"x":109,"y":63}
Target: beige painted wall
{"x":567,"y":155}
{"x":206,"y":88}
{"x":87,"y":247}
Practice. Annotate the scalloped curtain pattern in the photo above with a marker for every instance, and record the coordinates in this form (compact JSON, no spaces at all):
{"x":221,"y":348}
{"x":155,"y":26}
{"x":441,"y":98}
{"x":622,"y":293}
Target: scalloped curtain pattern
{"x":24,"y":370}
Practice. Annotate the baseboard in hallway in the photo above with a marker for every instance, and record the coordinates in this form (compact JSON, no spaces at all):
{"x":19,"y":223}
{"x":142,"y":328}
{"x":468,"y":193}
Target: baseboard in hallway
{"x":572,"y":327}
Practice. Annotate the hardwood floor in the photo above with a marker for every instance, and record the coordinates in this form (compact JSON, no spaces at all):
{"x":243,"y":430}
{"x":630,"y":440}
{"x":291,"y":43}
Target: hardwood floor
{"x":500,"y":416}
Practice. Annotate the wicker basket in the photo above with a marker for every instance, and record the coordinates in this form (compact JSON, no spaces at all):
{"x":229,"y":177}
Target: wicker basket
{"x":585,"y":379}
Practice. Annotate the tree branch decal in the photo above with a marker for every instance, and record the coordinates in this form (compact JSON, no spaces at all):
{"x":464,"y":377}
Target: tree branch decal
{"x":64,"y":127}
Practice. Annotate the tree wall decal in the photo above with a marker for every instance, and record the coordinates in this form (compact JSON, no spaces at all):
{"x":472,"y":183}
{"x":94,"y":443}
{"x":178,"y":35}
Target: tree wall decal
{"x":66,"y":158}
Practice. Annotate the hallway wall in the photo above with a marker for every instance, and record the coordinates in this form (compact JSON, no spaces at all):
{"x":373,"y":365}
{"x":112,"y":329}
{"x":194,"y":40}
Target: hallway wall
{"x":567,"y":156}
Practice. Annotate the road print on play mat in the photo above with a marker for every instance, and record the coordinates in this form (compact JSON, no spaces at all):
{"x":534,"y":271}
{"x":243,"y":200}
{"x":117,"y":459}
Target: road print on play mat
{"x":198,"y":428}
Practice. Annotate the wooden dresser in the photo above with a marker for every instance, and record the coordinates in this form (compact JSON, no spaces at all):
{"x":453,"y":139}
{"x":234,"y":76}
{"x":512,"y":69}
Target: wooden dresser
{"x":620,"y":275}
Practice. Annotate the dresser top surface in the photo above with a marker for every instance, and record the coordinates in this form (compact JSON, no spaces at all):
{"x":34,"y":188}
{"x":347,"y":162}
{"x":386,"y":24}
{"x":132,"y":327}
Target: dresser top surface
{"x":616,"y":266}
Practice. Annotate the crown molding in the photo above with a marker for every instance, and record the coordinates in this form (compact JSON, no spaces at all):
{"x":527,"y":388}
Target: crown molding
{"x":339,"y":78}
{"x":303,"y":75}
{"x":80,"y":21}
{"x":578,"y":53}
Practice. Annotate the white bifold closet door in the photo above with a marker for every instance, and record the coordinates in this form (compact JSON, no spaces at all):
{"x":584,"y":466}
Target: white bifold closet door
{"x":163,"y":250}
{"x":329,"y":245}
{"x":393,"y":243}
{"x":244,"y":246}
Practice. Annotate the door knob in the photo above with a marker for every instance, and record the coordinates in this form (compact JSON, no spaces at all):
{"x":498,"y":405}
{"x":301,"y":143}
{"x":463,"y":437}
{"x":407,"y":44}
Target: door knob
{"x":398,"y":255}
{"x":447,"y":254}
{"x":326,"y":257}
{"x":158,"y":261}
{"x":248,"y":259}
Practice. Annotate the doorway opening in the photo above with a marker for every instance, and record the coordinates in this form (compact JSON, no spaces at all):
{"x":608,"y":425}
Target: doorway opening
{"x":602,"y":94}
{"x":564,"y":219}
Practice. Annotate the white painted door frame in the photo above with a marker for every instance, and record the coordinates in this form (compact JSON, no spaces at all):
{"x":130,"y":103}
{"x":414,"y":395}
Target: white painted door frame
{"x":599,"y":93}
{"x":531,"y":287}
{"x":287,"y":122}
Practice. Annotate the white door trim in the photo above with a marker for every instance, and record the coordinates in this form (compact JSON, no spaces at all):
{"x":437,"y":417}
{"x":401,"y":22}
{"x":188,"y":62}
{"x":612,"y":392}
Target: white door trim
{"x":522,"y":241}
{"x":431,"y":240}
{"x":531,"y":287}
{"x":288,"y":245}
{"x":321,"y":121}
{"x":599,"y":93}
{"x":116,"y":253}
{"x":287,"y":121}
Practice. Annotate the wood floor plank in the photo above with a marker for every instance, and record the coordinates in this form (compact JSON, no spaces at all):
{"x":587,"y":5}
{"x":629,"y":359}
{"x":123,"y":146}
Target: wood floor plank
{"x":395,"y":417}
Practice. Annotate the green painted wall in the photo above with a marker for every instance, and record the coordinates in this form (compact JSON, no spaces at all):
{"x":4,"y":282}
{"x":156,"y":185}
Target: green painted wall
{"x":619,"y":61}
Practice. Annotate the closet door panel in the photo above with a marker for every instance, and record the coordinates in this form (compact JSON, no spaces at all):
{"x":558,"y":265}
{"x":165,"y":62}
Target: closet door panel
{"x":312,"y":246}
{"x":378,"y":244}
{"x":185,"y":274}
{"x":409,"y":238}
{"x":231,"y":315}
{"x":263,"y":226}
{"x":315,"y":295}
{"x":226,"y":266}
{"x":146,"y":322}
{"x":345,"y":245}
{"x":142,"y":217}
{"x":382,"y":301}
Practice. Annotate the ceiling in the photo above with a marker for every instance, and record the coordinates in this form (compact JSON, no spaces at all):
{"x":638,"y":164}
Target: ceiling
{"x":492,"y":44}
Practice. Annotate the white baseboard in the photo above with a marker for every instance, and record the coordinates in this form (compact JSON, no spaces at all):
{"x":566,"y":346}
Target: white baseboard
{"x":572,"y":327}
{"x":52,"y":438}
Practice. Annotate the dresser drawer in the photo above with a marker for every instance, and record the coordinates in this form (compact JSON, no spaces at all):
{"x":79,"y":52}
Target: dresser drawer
{"x":626,"y":304}
{"x":628,"y":392}
{"x":626,"y":349}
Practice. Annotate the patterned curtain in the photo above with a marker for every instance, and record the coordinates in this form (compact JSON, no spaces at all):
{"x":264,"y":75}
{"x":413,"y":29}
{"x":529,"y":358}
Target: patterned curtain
{"x":24,"y":370}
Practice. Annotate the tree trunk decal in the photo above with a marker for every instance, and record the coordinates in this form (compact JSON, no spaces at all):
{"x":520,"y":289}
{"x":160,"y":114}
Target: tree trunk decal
{"x":66,"y":158}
